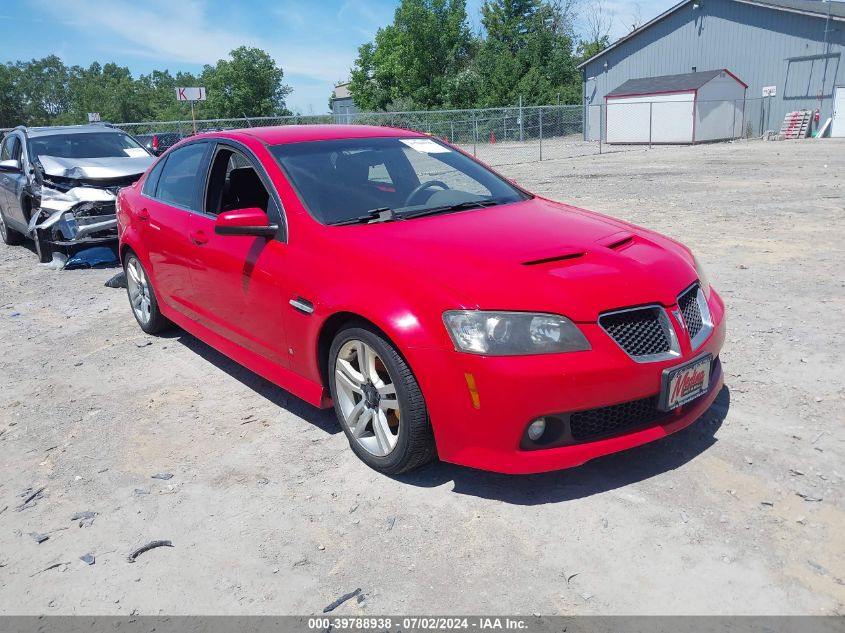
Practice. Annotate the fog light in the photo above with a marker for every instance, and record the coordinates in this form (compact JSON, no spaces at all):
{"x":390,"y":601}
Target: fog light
{"x":536,"y":429}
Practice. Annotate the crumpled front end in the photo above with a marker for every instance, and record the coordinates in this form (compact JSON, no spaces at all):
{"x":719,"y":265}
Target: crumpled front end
{"x":77,"y":199}
{"x":80,"y":214}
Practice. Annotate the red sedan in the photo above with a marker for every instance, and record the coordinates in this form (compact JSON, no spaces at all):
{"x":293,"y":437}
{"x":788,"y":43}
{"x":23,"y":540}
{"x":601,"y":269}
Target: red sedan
{"x":441,"y":309}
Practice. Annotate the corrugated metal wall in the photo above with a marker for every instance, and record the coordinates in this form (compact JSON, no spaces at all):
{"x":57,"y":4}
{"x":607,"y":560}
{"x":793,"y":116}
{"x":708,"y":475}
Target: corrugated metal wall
{"x":762,"y":46}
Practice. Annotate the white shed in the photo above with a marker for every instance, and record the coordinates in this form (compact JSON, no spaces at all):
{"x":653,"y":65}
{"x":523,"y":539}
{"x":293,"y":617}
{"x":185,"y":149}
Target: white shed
{"x":689,"y":108}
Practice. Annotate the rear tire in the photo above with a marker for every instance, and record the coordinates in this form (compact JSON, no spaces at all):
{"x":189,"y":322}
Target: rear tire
{"x":373,"y":403}
{"x":142,"y":296}
{"x":10,"y":236}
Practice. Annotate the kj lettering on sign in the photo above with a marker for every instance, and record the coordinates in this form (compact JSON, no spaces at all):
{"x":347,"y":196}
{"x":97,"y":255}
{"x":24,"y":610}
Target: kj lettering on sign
{"x":190,"y":94}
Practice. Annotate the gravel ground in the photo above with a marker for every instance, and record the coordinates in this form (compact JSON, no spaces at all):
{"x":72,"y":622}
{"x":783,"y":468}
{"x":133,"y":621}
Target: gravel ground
{"x":269,"y":512}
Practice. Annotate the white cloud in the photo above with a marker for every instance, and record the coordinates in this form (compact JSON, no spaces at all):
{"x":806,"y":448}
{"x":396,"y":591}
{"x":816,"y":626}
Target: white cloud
{"x":180,"y":32}
{"x":176,"y":31}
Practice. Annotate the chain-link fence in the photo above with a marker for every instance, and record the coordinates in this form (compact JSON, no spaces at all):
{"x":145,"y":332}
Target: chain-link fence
{"x":503,"y":136}
{"x":498,"y":136}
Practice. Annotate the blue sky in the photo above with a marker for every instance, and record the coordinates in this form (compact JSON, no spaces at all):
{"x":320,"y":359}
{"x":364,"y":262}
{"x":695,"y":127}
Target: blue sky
{"x":314,"y":41}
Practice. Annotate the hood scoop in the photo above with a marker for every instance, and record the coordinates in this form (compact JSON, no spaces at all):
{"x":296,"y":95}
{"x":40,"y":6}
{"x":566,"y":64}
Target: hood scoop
{"x":617,"y":241}
{"x":553,"y":258}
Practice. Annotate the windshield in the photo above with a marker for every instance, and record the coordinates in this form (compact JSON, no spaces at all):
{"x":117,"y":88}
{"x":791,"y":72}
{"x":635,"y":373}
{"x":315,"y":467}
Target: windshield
{"x":341,"y":180}
{"x":87,"y":145}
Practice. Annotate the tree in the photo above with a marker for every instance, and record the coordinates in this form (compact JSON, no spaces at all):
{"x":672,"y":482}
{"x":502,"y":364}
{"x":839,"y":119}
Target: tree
{"x":598,"y":30}
{"x":527,"y":52}
{"x":514,"y":22}
{"x":160,"y":90}
{"x":249,"y":83}
{"x":11,"y":105}
{"x":414,"y":58}
{"x":586,"y":50}
{"x":109,"y":90}
{"x":46,"y":92}
{"x":42,"y":87}
{"x":564,"y":13}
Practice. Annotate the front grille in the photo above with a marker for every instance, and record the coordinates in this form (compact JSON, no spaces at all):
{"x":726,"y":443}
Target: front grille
{"x":688,"y":303}
{"x":596,"y":423}
{"x":640,"y":332}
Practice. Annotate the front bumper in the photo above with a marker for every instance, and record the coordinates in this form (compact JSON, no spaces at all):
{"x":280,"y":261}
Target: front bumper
{"x":70,"y":229}
{"x":486,"y":430}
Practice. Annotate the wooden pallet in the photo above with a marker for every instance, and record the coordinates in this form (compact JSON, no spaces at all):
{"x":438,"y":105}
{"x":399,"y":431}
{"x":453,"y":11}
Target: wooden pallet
{"x":796,"y":124}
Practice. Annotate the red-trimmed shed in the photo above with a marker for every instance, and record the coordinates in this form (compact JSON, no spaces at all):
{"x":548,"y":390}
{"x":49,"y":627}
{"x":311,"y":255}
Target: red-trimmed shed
{"x":689,"y":108}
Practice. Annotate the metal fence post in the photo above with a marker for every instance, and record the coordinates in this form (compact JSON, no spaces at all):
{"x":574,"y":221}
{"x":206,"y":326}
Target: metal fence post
{"x":768,"y":111}
{"x":650,"y":121}
{"x":742,"y":129}
{"x":452,"y":127}
{"x":602,"y":115}
{"x":540,"y":110}
{"x":474,"y":134}
{"x":733,"y":125}
{"x":521,"y":122}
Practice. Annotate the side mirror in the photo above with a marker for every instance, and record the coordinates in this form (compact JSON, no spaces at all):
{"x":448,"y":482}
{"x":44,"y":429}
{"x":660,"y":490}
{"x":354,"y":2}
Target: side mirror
{"x":245,"y":222}
{"x":10,"y":165}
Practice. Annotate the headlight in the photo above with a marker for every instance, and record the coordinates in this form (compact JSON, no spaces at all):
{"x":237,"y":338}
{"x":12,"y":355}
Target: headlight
{"x":702,"y":277}
{"x":513,"y":333}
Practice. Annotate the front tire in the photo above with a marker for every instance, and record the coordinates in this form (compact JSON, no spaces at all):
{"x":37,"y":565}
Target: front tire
{"x":10,"y":236}
{"x":43,"y":248}
{"x":142,"y":297}
{"x":378,"y":402}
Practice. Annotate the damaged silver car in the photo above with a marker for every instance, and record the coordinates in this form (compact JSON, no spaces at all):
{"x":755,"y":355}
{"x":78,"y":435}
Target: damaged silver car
{"x":58,"y":185}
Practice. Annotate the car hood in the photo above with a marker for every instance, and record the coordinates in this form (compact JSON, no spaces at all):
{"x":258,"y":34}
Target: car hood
{"x":534,"y":255}
{"x":95,"y":168}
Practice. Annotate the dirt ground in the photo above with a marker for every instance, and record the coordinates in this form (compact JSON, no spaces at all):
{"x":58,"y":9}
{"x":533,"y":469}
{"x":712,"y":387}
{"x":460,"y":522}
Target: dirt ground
{"x":269,"y":512}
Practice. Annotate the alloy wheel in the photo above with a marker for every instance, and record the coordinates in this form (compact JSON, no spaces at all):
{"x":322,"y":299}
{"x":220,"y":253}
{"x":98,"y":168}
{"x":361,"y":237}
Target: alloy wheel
{"x":2,"y":227}
{"x":367,"y":398}
{"x":139,"y":290}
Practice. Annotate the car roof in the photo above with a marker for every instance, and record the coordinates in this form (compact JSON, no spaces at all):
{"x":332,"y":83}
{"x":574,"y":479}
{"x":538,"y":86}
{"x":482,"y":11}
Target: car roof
{"x":301,"y":133}
{"x":34,"y":132}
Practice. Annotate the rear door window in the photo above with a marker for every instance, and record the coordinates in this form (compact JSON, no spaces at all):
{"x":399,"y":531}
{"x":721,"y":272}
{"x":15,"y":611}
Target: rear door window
{"x":180,"y":177}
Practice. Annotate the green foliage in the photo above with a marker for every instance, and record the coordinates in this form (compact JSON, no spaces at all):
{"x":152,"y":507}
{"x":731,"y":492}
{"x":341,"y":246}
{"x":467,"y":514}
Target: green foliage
{"x":586,"y":50}
{"x":46,"y":92}
{"x":414,"y":58}
{"x":248,"y":84}
{"x":428,"y":58}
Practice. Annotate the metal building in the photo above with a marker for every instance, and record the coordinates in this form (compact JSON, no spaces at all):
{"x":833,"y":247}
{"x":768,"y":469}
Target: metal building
{"x":342,"y":105}
{"x":689,"y":108}
{"x":791,"y":50}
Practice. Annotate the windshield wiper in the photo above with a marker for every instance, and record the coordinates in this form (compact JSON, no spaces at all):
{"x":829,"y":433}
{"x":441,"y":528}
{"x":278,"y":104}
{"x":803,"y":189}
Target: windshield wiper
{"x":448,"y":208}
{"x":373,"y":216}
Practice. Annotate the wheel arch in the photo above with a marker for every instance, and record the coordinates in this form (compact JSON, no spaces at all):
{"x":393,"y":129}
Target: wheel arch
{"x":124,"y":250}
{"x":329,"y":329}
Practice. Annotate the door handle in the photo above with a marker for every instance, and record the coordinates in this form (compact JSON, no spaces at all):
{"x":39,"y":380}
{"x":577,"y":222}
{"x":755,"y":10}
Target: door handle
{"x":199,"y":237}
{"x":143,"y":215}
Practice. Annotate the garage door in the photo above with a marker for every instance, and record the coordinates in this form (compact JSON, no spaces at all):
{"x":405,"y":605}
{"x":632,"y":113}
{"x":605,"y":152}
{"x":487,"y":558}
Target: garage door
{"x":838,"y":128}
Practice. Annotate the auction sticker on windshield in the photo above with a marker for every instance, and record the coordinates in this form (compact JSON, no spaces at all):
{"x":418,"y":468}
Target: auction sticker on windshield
{"x":425,"y":145}
{"x":685,"y":383}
